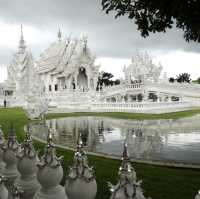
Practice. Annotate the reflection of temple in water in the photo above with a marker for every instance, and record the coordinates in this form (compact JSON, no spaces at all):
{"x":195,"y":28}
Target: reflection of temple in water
{"x":66,"y":133}
{"x":145,"y":139}
{"x":142,"y":145}
{"x":95,"y":132}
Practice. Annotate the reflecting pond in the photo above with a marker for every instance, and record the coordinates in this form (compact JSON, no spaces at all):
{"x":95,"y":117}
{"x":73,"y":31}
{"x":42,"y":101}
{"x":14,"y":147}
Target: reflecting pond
{"x":167,"y":140}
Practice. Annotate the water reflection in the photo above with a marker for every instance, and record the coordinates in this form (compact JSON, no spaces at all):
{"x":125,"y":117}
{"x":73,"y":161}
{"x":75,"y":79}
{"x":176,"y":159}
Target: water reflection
{"x":174,"y":140}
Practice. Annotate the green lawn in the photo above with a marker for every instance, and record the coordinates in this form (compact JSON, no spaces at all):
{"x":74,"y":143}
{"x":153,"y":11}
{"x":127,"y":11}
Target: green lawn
{"x":158,"y":182}
{"x":138,"y":116}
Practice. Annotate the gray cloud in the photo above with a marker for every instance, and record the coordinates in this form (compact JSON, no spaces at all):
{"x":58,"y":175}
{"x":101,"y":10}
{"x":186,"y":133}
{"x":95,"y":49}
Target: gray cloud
{"x":107,"y":36}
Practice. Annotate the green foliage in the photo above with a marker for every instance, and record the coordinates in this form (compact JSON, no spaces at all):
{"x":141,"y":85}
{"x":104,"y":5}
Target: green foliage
{"x":183,"y":77}
{"x":158,"y":182}
{"x":171,"y":80}
{"x":153,"y":16}
{"x":197,"y":81}
{"x":105,"y":79}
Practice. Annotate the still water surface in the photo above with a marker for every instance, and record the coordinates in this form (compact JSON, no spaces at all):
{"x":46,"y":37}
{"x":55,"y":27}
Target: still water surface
{"x":167,"y":140}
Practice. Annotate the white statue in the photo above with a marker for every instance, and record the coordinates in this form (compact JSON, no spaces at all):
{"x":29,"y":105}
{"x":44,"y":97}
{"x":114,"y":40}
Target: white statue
{"x":81,"y":176}
{"x":198,"y":195}
{"x":127,"y":186}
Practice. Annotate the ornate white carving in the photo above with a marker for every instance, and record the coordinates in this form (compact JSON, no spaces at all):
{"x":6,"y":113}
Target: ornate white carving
{"x":142,"y":68}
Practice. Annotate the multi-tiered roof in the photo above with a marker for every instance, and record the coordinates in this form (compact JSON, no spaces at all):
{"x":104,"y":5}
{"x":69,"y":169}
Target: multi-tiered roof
{"x":65,"y":55}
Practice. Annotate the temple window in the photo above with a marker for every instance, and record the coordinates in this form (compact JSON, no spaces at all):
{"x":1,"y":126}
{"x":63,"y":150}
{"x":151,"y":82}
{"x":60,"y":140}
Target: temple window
{"x":56,"y":87}
{"x":49,"y":87}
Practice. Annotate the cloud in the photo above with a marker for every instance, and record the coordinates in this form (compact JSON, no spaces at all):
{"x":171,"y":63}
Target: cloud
{"x":107,"y":36}
{"x":113,"y":41}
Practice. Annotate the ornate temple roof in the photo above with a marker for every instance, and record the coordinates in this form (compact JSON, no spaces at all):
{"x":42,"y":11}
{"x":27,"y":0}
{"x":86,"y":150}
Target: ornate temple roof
{"x":64,"y":54}
{"x":142,"y":65}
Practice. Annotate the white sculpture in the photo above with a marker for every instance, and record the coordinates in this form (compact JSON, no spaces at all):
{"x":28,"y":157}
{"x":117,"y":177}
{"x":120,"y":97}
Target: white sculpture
{"x":68,"y":64}
{"x":17,"y":192}
{"x":2,"y":164}
{"x":198,"y":195}
{"x":3,"y":189}
{"x":26,"y":165}
{"x":10,"y":149}
{"x":127,"y":186}
{"x":50,"y":174}
{"x":66,"y":77}
{"x":142,"y":68}
{"x":80,"y":182}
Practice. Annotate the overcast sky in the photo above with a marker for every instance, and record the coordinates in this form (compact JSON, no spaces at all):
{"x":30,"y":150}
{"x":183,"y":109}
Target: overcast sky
{"x":113,"y":41}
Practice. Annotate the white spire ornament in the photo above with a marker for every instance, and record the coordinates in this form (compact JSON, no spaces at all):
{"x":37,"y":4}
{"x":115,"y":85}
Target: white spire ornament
{"x":127,"y":186}
{"x":198,"y":195}
{"x":10,"y":149}
{"x":2,"y":164}
{"x":17,"y":192}
{"x":50,"y":174}
{"x":3,"y":189}
{"x":80,"y":182}
{"x":27,"y":158}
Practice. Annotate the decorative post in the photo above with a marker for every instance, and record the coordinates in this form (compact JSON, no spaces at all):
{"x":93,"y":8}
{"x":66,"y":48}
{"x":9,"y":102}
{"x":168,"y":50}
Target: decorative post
{"x":198,"y":195}
{"x":10,"y":149}
{"x":27,"y":158}
{"x":50,"y":174}
{"x":127,"y":186}
{"x":17,"y":192}
{"x":2,"y":164}
{"x":80,"y":182}
{"x":3,"y":190}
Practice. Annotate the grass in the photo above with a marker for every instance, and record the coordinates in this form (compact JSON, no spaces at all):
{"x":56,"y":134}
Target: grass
{"x":122,"y":115}
{"x":158,"y":182}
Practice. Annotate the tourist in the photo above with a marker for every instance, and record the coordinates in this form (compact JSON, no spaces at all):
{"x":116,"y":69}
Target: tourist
{"x":5,"y":103}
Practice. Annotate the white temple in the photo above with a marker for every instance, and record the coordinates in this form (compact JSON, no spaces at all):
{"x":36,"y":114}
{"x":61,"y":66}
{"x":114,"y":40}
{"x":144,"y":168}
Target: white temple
{"x":65,"y":78}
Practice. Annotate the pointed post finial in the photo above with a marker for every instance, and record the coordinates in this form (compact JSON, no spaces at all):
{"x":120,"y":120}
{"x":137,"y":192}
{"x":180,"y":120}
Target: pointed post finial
{"x":125,"y":152}
{"x":28,"y":133}
{"x":59,"y":35}
{"x":49,"y":158}
{"x":79,"y":148}
{"x":125,"y":166}
{"x":50,"y":138}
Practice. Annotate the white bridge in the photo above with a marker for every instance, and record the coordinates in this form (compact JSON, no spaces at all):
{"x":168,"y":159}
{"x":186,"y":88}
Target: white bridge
{"x":170,"y":97}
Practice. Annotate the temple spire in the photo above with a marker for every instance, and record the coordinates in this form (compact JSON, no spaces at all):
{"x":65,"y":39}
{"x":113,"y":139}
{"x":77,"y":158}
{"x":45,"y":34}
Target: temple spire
{"x":59,"y":35}
{"x":22,"y":45}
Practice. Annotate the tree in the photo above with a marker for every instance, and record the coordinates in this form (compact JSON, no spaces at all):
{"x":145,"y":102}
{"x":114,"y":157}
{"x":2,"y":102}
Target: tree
{"x":116,"y":82}
{"x":153,"y":16}
{"x":183,"y":77}
{"x":105,"y":79}
{"x":198,"y":80}
{"x":171,"y":80}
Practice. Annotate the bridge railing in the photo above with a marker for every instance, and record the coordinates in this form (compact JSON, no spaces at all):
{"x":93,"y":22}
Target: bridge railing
{"x":136,"y":106}
{"x":123,"y":87}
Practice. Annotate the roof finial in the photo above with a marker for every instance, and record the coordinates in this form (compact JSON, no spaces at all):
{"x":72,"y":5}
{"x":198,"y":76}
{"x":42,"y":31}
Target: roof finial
{"x":59,"y":34}
{"x":22,"y":45}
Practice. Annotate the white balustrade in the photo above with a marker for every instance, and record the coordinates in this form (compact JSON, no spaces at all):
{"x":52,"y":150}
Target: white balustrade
{"x":119,"y":107}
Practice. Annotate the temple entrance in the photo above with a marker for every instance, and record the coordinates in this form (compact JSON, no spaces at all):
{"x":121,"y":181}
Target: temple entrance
{"x":82,"y":80}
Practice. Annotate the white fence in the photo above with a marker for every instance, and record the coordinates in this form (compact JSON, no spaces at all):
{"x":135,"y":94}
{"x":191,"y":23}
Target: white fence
{"x":140,"y":106}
